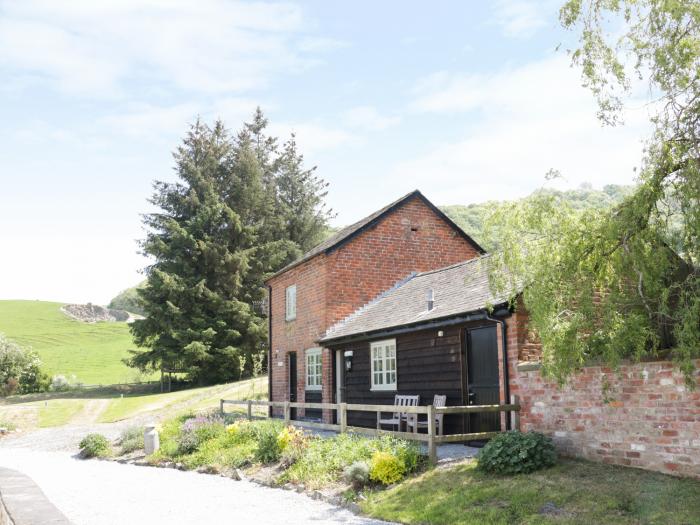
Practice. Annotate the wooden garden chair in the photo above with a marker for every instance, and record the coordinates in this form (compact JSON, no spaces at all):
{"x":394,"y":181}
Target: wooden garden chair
{"x":398,"y":417}
{"x":415,"y":423}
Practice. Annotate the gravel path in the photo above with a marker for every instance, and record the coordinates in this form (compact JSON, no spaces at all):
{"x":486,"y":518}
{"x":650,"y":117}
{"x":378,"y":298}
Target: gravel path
{"x":104,"y":493}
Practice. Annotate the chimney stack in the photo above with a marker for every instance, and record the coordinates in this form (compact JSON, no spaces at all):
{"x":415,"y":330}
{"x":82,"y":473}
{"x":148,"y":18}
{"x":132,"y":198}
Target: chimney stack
{"x":431,"y":299}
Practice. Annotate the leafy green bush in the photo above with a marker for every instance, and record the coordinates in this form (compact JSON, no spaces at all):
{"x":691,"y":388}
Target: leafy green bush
{"x":131,"y":439}
{"x":266,"y":434}
{"x":386,"y":468}
{"x":357,"y":474}
{"x":517,"y":453}
{"x":95,"y":446}
{"x":20,"y":370}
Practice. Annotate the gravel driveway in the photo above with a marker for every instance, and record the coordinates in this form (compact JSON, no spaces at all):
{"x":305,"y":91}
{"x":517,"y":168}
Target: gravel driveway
{"x":93,"y":492}
{"x":102,"y":492}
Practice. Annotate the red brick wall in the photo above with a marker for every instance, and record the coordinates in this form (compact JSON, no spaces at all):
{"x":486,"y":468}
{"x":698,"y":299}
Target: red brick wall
{"x":640,"y":416}
{"x":301,"y":333}
{"x":376,"y":259}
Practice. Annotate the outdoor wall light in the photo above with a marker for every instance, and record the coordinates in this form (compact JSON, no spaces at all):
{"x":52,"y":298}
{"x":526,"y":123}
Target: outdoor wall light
{"x":348,"y":360}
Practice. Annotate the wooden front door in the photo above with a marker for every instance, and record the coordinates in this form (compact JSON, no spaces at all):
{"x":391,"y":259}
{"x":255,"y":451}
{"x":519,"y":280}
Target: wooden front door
{"x":482,"y":377}
{"x":292,"y":356}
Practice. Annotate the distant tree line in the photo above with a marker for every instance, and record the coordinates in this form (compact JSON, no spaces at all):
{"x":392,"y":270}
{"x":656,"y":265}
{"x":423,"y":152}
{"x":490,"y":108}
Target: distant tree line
{"x":243,"y":207}
{"x":472,"y":218}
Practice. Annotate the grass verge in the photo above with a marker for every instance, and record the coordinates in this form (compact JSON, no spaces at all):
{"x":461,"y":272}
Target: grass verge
{"x":573,"y":492}
{"x":58,"y":412}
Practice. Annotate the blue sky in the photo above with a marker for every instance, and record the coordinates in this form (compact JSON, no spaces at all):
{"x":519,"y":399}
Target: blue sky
{"x":467,"y":101}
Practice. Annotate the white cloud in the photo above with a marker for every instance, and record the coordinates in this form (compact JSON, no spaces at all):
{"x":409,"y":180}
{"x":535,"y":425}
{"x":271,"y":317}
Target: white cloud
{"x":368,"y":118}
{"x":208,"y":46}
{"x":314,"y":137}
{"x":167,"y":123}
{"x":521,"y":18}
{"x":153,"y":123}
{"x":523,"y":121}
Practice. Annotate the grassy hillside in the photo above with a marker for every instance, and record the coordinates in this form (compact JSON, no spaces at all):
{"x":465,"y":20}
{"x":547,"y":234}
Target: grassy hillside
{"x":92,"y":352}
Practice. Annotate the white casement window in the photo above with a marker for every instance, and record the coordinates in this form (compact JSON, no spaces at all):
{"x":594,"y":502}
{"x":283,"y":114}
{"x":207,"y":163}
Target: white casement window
{"x":314,"y":369}
{"x":383,"y":361}
{"x":291,"y":302}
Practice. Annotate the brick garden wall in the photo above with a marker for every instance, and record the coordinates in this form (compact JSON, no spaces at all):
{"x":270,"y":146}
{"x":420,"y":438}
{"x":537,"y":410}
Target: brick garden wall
{"x":639,"y":416}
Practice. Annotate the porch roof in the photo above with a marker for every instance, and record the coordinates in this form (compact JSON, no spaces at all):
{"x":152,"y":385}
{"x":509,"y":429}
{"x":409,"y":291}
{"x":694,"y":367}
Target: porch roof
{"x":458,"y":289}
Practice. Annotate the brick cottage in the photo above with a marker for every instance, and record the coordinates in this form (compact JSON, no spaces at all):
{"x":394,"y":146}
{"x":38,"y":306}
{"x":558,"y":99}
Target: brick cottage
{"x":399,"y":303}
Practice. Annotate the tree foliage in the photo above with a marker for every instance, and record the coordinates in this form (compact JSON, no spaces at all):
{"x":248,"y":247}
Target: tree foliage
{"x":20,"y":370}
{"x":472,"y":218}
{"x":621,"y":284}
{"x":219,"y":232}
{"x":128,"y":300}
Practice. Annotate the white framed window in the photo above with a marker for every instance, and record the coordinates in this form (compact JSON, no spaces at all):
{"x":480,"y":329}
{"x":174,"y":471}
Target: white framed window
{"x":383,"y":364}
{"x":314,"y":369}
{"x":290,"y":302}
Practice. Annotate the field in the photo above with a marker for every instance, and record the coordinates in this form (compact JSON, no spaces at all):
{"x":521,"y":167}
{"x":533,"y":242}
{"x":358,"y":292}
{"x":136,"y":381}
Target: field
{"x":91,"y":352}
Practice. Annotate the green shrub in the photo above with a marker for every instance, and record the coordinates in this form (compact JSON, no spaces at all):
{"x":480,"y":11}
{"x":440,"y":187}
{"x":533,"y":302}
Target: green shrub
{"x":357,"y":474}
{"x":517,"y":453}
{"x":131,"y":439}
{"x":386,"y":468}
{"x":20,"y":370}
{"x":95,"y":446}
{"x":266,"y":434}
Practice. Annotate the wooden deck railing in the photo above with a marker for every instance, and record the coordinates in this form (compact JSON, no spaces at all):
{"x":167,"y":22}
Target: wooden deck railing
{"x":431,"y":437}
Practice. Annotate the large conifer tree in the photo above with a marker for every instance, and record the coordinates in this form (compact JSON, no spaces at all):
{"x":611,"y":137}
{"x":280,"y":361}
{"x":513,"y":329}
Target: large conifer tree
{"x":219,"y":232}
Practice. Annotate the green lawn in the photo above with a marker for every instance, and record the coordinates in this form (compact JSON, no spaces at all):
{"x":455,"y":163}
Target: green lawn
{"x":57,"y":412}
{"x":195,"y":399}
{"x":91,"y":352}
{"x":573,"y":492}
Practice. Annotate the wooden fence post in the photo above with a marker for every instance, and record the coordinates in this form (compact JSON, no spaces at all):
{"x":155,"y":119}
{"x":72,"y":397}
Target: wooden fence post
{"x":221,"y":407}
{"x":343,"y":417}
{"x":515,"y":400}
{"x":432,"y":451}
{"x":287,"y":413}
{"x":250,"y":409}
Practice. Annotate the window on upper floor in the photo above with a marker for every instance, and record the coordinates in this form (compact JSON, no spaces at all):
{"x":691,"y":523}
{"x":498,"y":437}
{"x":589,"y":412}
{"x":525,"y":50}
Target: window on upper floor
{"x":383,"y":363}
{"x":314,"y":369}
{"x":291,"y":303}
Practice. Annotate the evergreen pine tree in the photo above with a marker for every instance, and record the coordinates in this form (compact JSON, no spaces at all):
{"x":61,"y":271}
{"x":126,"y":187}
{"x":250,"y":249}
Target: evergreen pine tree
{"x":196,"y":317}
{"x":301,"y":195}
{"x":241,"y":211}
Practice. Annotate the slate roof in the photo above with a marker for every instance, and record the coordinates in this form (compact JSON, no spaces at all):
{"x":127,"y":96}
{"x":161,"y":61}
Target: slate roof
{"x":346,"y":233}
{"x":458,"y":289}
